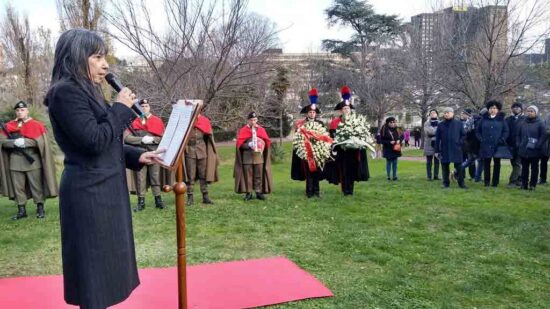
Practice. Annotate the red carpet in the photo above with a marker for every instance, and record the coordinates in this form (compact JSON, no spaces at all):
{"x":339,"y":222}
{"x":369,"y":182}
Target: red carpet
{"x":242,"y":284}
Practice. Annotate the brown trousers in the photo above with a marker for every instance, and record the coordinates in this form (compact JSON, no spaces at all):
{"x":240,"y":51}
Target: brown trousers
{"x":151,"y":173}
{"x":34,"y":180}
{"x":196,"y":169}
{"x":253,"y":175}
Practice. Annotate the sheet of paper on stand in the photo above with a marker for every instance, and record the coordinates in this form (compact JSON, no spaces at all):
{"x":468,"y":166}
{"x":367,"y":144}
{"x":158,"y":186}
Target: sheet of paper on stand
{"x":183,"y":115}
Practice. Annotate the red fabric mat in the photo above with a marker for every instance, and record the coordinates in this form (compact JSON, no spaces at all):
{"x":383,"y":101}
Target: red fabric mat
{"x":242,"y":284}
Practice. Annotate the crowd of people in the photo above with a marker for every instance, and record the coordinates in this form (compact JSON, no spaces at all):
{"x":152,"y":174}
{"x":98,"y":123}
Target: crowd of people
{"x":477,"y":143}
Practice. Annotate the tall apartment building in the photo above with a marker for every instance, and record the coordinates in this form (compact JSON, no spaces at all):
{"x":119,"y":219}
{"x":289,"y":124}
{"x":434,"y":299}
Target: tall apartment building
{"x":459,"y":28}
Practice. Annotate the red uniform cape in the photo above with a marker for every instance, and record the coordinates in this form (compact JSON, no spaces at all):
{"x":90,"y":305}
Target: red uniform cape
{"x":203,"y":124}
{"x":334,"y":123}
{"x":30,"y":129}
{"x":153,"y":125}
{"x":246,"y":132}
{"x":35,"y":130}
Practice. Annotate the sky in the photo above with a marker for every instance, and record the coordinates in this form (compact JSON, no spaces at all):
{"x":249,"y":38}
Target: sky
{"x":302,"y":23}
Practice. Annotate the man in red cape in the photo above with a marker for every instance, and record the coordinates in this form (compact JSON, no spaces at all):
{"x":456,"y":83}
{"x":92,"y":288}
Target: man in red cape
{"x":27,"y":166}
{"x":252,"y":169}
{"x":201,"y":159}
{"x":146,"y":132}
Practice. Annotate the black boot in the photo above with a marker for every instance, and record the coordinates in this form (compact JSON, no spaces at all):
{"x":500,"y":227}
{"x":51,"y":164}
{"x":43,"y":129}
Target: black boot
{"x":260,"y":196}
{"x":158,"y":202}
{"x":140,"y":204}
{"x":189,"y":199}
{"x":40,"y":213}
{"x":248,"y":196}
{"x":21,"y":213}
{"x":205,"y":199}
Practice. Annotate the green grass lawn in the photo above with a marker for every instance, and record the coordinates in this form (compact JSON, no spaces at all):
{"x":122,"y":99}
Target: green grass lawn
{"x":404,"y":244}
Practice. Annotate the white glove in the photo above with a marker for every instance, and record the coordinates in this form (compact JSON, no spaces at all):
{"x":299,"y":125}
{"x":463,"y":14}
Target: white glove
{"x":250,"y":144}
{"x":147,"y":140}
{"x":19,"y":142}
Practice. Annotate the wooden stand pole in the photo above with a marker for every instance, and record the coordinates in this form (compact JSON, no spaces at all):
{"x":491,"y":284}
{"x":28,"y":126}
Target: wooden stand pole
{"x":179,"y":190}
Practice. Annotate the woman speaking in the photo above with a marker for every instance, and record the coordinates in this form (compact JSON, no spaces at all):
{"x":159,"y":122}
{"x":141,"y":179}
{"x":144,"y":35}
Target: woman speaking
{"x":99,"y":264}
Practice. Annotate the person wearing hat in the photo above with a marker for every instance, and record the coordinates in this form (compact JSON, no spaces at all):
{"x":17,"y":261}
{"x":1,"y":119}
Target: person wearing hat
{"x":201,"y":159}
{"x":145,"y":133}
{"x":350,"y":165}
{"x":252,"y":169}
{"x":514,"y":121}
{"x":492,"y":133}
{"x":529,"y":141}
{"x":471,"y":145}
{"x":430,"y":128}
{"x":26,"y":162}
{"x":300,"y":168}
{"x":449,"y":138}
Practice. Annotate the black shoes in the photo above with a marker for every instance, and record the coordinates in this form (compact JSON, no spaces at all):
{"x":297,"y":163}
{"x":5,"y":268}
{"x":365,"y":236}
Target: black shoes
{"x":260,"y":196}
{"x":248,"y":196}
{"x":21,"y":213}
{"x":158,"y":202}
{"x":140,"y":204}
{"x":206,"y":200}
{"x":40,"y":213}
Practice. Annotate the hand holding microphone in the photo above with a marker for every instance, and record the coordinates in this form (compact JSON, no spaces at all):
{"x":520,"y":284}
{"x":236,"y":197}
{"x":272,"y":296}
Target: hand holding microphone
{"x":125,"y":95}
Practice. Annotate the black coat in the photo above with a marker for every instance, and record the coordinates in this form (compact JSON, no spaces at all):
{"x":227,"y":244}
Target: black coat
{"x":546,"y":143}
{"x":491,"y":132}
{"x":387,"y":135}
{"x":99,"y":264}
{"x":449,"y":138}
{"x":471,"y":143}
{"x":513,"y":123}
{"x":530,"y":128}
{"x":349,"y":163}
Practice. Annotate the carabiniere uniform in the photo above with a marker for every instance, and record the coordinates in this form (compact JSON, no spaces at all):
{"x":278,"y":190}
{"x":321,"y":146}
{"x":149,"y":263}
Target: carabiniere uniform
{"x":201,"y":159}
{"x":150,"y":175}
{"x":26,"y":164}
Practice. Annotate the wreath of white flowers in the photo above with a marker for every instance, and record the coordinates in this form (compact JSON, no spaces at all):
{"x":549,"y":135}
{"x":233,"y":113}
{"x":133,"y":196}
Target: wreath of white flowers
{"x":353,"y":132}
{"x":321,"y":149}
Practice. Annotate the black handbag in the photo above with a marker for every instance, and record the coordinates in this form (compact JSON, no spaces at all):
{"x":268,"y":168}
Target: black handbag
{"x":503,"y":152}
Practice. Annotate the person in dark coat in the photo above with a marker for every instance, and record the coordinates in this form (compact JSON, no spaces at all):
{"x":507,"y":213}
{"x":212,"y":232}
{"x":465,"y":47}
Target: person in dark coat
{"x":430,"y":127}
{"x":448,"y":145}
{"x":97,"y":245}
{"x":529,"y":140}
{"x":545,"y":152}
{"x":470,"y":147}
{"x":390,"y":136}
{"x":492,"y":132}
{"x":513,"y":121}
{"x":300,"y":169}
{"x":350,"y":165}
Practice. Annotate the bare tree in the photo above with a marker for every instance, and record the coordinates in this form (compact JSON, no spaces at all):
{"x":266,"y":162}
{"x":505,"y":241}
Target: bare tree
{"x":280,"y":87}
{"x":18,"y":46}
{"x":211,"y":50}
{"x":483,"y":42}
{"x":80,"y":13}
{"x":380,"y":90}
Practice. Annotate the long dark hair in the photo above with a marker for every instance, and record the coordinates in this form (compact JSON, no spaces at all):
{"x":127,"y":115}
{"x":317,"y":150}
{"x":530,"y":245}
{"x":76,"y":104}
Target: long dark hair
{"x":72,"y":51}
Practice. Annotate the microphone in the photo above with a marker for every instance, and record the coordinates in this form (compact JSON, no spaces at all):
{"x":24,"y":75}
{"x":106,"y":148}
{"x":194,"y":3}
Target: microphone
{"x":117,"y":86}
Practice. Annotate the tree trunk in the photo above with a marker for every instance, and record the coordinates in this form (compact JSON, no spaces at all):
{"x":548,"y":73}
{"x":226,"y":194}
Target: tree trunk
{"x":281,"y":129}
